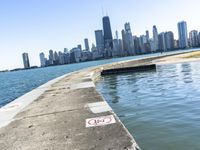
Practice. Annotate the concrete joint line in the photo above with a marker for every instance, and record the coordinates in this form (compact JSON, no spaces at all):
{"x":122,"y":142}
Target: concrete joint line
{"x":46,"y":114}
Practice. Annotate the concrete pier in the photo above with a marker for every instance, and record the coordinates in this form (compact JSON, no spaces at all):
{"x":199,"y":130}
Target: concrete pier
{"x":69,"y":115}
{"x":66,"y":114}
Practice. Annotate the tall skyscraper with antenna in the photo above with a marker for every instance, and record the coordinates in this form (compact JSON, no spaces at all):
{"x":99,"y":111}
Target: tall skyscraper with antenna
{"x":108,"y":38}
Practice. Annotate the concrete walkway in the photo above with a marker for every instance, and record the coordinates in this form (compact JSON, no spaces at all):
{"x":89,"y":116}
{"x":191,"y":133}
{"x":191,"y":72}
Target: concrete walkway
{"x":69,"y":115}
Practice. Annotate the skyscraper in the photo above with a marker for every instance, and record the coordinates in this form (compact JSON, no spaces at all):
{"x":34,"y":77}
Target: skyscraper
{"x":182,"y":34}
{"x":61,"y":58}
{"x":161,"y":42}
{"x":169,"y":40}
{"x":108,"y":39}
{"x":142,"y":42}
{"x":75,"y":55}
{"x":129,"y":39}
{"x":66,"y":50}
{"x":147,"y":35}
{"x":116,"y":45}
{"x":42,"y":60}
{"x":199,"y":38}
{"x":87,"y":48}
{"x":99,"y":39}
{"x":124,"y":41}
{"x":155,"y":38}
{"x":79,"y":46}
{"x":137,"y":44}
{"x":26,"y":60}
{"x":193,"y":37}
{"x":50,"y":62}
{"x":55,"y":58}
{"x":116,"y":35}
{"x":127,"y":27}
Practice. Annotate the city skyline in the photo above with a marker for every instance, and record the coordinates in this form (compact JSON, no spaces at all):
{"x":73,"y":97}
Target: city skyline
{"x":44,"y":39}
{"x":129,"y":45}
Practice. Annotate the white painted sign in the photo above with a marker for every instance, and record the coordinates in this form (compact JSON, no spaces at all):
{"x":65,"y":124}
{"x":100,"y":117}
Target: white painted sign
{"x":100,"y":121}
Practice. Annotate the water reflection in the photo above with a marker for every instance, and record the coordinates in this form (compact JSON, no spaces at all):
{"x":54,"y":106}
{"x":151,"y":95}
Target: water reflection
{"x":186,"y":72}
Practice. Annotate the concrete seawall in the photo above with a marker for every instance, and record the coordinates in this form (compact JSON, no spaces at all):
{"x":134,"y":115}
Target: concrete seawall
{"x":66,"y":114}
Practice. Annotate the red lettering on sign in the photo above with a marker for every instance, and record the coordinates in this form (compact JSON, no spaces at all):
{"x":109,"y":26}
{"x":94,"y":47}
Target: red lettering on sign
{"x":100,"y":121}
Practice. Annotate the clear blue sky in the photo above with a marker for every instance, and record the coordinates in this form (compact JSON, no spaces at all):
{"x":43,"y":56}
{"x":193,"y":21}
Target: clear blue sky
{"x":34,"y":26}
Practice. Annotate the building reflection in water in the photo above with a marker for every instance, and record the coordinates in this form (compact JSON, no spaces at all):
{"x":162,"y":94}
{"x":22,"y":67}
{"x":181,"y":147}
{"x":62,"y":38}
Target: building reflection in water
{"x":186,"y":72}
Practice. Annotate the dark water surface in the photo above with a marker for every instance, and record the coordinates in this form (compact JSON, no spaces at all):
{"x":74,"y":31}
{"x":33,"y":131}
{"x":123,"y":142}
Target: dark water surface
{"x":160,"y":109}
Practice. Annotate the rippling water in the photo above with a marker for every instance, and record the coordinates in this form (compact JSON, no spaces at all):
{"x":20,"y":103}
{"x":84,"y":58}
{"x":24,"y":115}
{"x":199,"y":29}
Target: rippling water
{"x":161,"y":109}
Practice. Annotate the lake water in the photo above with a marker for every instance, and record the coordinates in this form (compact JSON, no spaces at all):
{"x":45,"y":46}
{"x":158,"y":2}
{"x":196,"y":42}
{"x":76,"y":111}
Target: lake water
{"x":161,"y":108}
{"x":15,"y":84}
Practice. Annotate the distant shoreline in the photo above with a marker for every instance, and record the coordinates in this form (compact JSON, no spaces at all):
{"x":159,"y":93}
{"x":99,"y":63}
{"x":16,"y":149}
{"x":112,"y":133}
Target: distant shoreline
{"x":180,"y":58}
{"x":35,"y":67}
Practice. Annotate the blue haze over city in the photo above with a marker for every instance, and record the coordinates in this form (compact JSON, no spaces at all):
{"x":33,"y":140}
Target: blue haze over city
{"x":38,"y":26}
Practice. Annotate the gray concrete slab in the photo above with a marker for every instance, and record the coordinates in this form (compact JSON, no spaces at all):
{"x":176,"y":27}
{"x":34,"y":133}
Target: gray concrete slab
{"x":57,"y":119}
